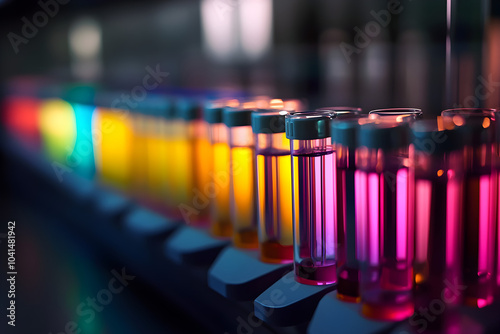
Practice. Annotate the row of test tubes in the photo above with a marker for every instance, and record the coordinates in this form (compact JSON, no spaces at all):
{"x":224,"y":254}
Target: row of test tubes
{"x":395,"y":210}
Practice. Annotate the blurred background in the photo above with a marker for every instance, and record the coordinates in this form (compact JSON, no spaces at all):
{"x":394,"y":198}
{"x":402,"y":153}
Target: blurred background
{"x":367,"y":53}
{"x":373,"y":54}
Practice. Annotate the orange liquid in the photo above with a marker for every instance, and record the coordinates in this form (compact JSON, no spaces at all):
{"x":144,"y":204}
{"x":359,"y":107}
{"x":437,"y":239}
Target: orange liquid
{"x":219,"y":204}
{"x":243,"y":191}
{"x":275,"y":207}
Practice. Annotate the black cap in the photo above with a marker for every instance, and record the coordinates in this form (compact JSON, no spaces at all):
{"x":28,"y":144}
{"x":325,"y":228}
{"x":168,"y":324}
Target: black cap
{"x":305,"y":126}
{"x":345,"y":132}
{"x":386,"y":136}
{"x":427,"y":138}
{"x":188,"y":109}
{"x":81,"y":94}
{"x":213,"y":115}
{"x":237,"y":117}
{"x":414,"y":113}
{"x":156,"y":105}
{"x":268,"y":121}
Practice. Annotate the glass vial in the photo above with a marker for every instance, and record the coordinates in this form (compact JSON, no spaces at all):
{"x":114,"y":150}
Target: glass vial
{"x":313,"y":196}
{"x":243,"y":186}
{"x":220,"y":218}
{"x":385,"y":237}
{"x":479,"y":198}
{"x":274,"y":185}
{"x":438,"y":162}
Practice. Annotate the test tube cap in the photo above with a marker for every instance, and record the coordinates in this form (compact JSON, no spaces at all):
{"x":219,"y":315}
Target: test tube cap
{"x":428,"y":138}
{"x":304,"y":126}
{"x":213,"y":115}
{"x":156,"y":105}
{"x":345,"y":132}
{"x":386,"y":136}
{"x":188,"y":109}
{"x":233,"y":117}
{"x":268,"y":121}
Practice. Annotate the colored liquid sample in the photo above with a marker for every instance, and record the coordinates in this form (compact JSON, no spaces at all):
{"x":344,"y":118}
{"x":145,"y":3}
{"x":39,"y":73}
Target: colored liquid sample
{"x":437,"y":263}
{"x":157,"y":158}
{"x":82,"y":156}
{"x":112,"y":152}
{"x":314,"y":221}
{"x":243,"y":192}
{"x":348,"y":266}
{"x":386,"y":275}
{"x":202,"y":182}
{"x":21,"y":118}
{"x":274,"y":173}
{"x":139,"y":154}
{"x":58,"y":130}
{"x":183,"y":169}
{"x":219,"y":206}
{"x":479,"y":241}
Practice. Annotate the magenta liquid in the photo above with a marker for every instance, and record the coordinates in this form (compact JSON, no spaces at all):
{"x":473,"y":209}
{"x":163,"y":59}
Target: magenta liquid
{"x":314,"y":196}
{"x":386,"y":275}
{"x":438,"y":247}
{"x":348,"y":267}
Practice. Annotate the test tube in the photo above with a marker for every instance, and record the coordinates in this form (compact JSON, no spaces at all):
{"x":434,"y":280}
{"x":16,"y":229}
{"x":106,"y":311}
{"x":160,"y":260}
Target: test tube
{"x":243,"y":186}
{"x":112,"y":153}
{"x":479,"y":198}
{"x":396,"y":114}
{"x":157,"y":110}
{"x":220,"y":218}
{"x":139,"y":150}
{"x":313,"y":196}
{"x":193,"y":160}
{"x":344,"y":134}
{"x":385,"y":243}
{"x":274,"y":184}
{"x":438,"y":162}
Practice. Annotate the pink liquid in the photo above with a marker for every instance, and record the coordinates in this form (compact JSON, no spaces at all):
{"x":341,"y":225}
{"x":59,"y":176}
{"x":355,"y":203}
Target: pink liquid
{"x":386,"y":271}
{"x":348,"y":271}
{"x":478,"y":241}
{"x":315,"y":258}
{"x":438,"y":246}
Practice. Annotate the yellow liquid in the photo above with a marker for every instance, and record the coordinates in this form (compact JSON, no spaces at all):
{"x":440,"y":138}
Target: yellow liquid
{"x":182,"y":178}
{"x":158,"y":167}
{"x":275,"y":207}
{"x":113,"y":151}
{"x":244,"y":206}
{"x":58,"y":129}
{"x":139,"y":158}
{"x":219,"y":212}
